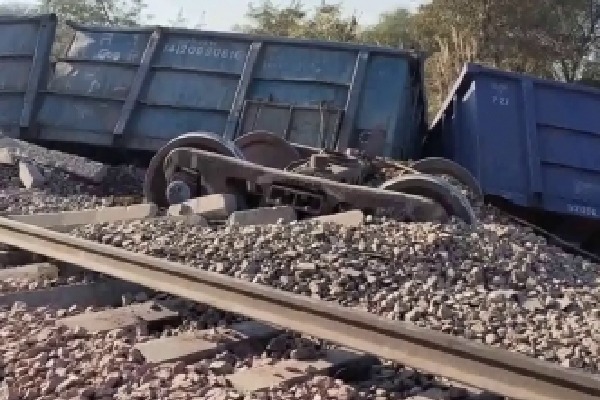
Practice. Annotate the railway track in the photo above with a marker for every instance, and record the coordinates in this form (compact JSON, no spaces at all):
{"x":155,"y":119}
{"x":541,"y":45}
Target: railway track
{"x":505,"y":373}
{"x":88,"y":336}
{"x":499,"y":286}
{"x":263,"y":308}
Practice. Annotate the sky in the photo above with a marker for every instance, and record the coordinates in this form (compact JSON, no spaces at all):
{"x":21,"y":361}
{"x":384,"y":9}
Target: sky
{"x":221,"y":15}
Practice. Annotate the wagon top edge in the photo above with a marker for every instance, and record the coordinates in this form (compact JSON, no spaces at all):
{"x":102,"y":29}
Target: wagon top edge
{"x":471,"y":70}
{"x":13,"y":19}
{"x":247,"y":37}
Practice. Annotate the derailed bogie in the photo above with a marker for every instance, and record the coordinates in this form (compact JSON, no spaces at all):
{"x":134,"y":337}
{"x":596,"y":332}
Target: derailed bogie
{"x":279,"y":187}
{"x":323,"y":183}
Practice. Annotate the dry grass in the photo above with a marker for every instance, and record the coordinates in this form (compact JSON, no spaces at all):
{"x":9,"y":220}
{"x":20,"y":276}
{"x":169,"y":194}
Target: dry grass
{"x":443,"y":67}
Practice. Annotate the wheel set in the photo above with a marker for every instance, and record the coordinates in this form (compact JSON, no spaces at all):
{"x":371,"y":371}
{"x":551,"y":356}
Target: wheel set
{"x":180,"y":170}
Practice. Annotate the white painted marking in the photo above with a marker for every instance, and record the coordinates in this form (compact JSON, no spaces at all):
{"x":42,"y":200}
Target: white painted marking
{"x":582,"y":210}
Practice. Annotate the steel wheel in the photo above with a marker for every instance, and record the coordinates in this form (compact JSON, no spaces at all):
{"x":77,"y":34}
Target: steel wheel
{"x":436,"y":189}
{"x":443,"y":166}
{"x":267,"y":149}
{"x":155,"y":184}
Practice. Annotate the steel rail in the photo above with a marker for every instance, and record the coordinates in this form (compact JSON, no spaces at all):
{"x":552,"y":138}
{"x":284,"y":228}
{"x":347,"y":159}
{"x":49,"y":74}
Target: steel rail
{"x":505,"y":373}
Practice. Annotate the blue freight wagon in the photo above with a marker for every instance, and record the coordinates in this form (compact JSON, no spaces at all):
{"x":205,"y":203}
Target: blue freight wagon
{"x":262,"y":102}
{"x":138,"y":88}
{"x":25,"y":46}
{"x":533,"y":142}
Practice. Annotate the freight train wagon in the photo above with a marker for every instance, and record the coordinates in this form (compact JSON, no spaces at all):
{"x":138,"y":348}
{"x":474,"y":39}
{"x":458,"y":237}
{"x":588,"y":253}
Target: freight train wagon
{"x":533,"y":143}
{"x":262,"y":102}
{"x":135,"y":89}
{"x":528,"y":141}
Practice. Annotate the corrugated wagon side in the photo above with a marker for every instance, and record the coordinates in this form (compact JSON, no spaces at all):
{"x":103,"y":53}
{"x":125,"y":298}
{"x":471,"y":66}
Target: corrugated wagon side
{"x":139,"y":88}
{"x":25,"y":47}
{"x":533,"y":142}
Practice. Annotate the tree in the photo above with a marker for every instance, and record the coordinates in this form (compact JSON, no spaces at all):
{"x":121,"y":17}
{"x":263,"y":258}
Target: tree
{"x":539,"y":37}
{"x":267,"y":19}
{"x":97,"y":12}
{"x":449,"y":31}
{"x":545,"y":37}
{"x":394,"y":29}
{"x":574,"y":36}
{"x":325,"y":22}
{"x":328,"y":23}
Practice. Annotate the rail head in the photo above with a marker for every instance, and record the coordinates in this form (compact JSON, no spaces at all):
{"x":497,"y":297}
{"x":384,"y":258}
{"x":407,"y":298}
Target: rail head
{"x":506,"y":373}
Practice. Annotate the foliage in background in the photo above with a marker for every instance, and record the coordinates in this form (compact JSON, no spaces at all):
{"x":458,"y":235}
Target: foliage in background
{"x":444,"y":66}
{"x":394,"y":29}
{"x":97,"y":12}
{"x":547,"y":38}
{"x":294,"y":20}
{"x":268,"y":19}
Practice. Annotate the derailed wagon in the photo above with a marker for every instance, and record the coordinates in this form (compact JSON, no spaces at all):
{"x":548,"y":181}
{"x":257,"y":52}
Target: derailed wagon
{"x":288,"y":121}
{"x":531,"y":143}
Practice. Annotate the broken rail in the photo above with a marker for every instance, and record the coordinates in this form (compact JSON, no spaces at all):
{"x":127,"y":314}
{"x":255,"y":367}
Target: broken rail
{"x":505,"y":373}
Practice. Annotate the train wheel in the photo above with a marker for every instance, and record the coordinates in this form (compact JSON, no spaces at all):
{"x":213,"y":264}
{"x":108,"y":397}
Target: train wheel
{"x":443,"y":166}
{"x":436,"y":189}
{"x":155,"y":183}
{"x":267,"y":149}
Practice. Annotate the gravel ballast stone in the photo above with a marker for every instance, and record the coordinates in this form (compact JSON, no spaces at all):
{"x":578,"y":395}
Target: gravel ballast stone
{"x":30,"y":175}
{"x":61,"y":191}
{"x":44,"y":359}
{"x":79,"y":166}
{"x":494,"y":283}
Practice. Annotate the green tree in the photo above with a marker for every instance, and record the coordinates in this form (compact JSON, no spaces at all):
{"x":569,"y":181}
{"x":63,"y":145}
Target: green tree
{"x":328,"y":23}
{"x":325,"y":22}
{"x":268,"y":19}
{"x":544,"y":37}
{"x":571,"y":35}
{"x":98,"y":12}
{"x":394,"y":29}
{"x":547,"y":38}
